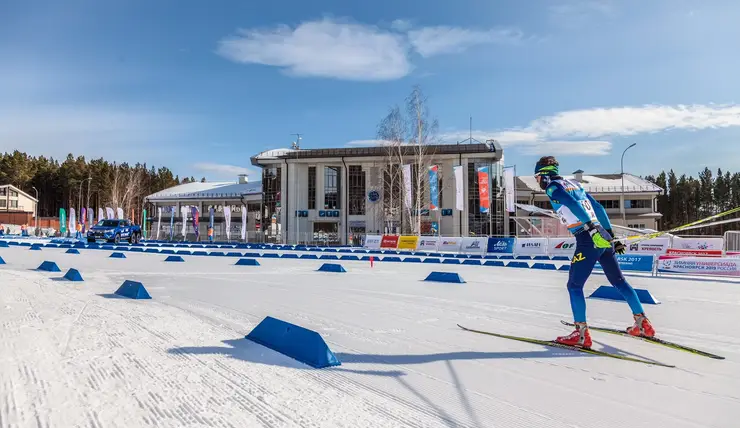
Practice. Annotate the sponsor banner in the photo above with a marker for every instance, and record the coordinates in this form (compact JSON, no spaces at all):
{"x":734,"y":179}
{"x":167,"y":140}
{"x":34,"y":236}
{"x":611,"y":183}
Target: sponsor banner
{"x":699,"y":265}
{"x":407,"y":242}
{"x":696,"y":253}
{"x":732,"y":254}
{"x":474,"y":245}
{"x":244,"y":223}
{"x":372,"y":242}
{"x":406,"y":170}
{"x":650,"y":246}
{"x":501,"y":245}
{"x":634,"y":262}
{"x":509,"y":185}
{"x":389,"y":241}
{"x":427,"y":244}
{"x":698,"y":243}
{"x":561,"y":246}
{"x":449,"y":244}
{"x":483,"y":189}
{"x":459,"y":199}
{"x":433,"y":187}
{"x":531,"y":246}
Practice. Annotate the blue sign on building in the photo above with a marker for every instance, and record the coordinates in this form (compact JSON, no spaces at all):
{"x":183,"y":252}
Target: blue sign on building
{"x":501,"y":245}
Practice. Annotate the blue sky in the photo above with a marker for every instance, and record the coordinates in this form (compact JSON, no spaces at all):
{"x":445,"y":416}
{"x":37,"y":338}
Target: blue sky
{"x":202,"y":86}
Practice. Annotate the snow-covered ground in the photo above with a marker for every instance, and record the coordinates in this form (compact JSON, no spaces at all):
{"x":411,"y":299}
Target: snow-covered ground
{"x":74,"y":355}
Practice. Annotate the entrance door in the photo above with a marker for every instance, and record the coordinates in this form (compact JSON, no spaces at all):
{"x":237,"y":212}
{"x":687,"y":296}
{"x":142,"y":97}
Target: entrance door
{"x":326,"y":233}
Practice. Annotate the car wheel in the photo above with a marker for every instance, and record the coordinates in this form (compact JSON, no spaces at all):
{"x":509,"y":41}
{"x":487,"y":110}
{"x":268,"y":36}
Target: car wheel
{"x":117,"y":239}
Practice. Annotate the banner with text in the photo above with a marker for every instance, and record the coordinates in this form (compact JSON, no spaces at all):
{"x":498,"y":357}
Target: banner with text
{"x":483,"y":191}
{"x":699,"y":265}
{"x":428,"y":244}
{"x":372,"y":242}
{"x":389,"y":241}
{"x":433,"y":187}
{"x":472,"y":245}
{"x":406,"y":242}
{"x":531,"y":246}
{"x":650,"y":246}
{"x":698,"y":243}
{"x":510,"y":189}
{"x":406,"y":170}
{"x":634,"y":262}
{"x":695,"y":253}
{"x":561,"y":246}
{"x":449,"y":244}
{"x":500,"y":245}
{"x":459,"y":199}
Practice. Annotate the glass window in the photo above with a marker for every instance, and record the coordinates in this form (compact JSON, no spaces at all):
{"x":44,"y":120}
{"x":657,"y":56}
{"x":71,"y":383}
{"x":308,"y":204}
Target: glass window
{"x":356,"y":190}
{"x":311,"y":187}
{"x":609,"y":203}
{"x":3,"y":203}
{"x":4,"y":191}
{"x":638,"y":203}
{"x":332,"y":187}
{"x":14,"y":204}
{"x":271,"y":182}
{"x":13,"y":194}
{"x":492,"y":222}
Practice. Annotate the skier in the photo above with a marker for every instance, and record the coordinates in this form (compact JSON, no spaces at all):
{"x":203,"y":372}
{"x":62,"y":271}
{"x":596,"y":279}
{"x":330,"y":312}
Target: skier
{"x":587,"y":221}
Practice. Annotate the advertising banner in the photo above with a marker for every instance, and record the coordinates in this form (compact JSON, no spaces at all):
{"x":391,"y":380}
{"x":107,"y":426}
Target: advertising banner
{"x":407,"y":242}
{"x":196,"y":221}
{"x":531,"y":246}
{"x":406,"y":170}
{"x":510,"y":189}
{"x":427,"y":243}
{"x":650,"y":246}
{"x":449,"y":244}
{"x":62,"y":221}
{"x":699,"y":265}
{"x":459,"y":199}
{"x":474,"y":245}
{"x":561,"y":246}
{"x":389,"y":241}
{"x":109,"y":213}
{"x":501,"y":245}
{"x":159,"y":222}
{"x":372,"y":242}
{"x":483,"y":191}
{"x":696,"y":253}
{"x":227,"y":218}
{"x":433,"y":187}
{"x":119,"y":212}
{"x":634,"y":262}
{"x":698,"y":243}
{"x":244,"y":223}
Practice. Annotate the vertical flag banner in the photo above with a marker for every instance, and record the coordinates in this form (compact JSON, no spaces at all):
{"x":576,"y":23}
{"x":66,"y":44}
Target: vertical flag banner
{"x":143,"y":223}
{"x":184,"y":211}
{"x":133,"y":217}
{"x":109,"y":213}
{"x":119,"y":212}
{"x":483,"y":190}
{"x":510,"y":189}
{"x":83,"y":213}
{"x":459,"y":201}
{"x":62,"y":221}
{"x":159,"y":221}
{"x":172,"y":222}
{"x":434,"y":187}
{"x":227,"y":217}
{"x":196,"y":221}
{"x":101,"y":214}
{"x":90,"y":216}
{"x":244,"y":223}
{"x":72,"y":221}
{"x":407,"y":184}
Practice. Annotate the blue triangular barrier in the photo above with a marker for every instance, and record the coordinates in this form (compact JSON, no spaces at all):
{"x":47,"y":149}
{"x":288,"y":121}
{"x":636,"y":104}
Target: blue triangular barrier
{"x":309,"y":256}
{"x":544,"y":266}
{"x":117,"y":256}
{"x":174,"y":259}
{"x":49,"y":267}
{"x":247,"y":262}
{"x":233,"y":254}
{"x":72,"y":251}
{"x":453,"y":277}
{"x":347,"y":258}
{"x":494,"y":263}
{"x":133,"y":290}
{"x":451,"y":262}
{"x":518,"y":265}
{"x":301,"y":344}
{"x":270,"y":256}
{"x":564,"y":267}
{"x":431,"y":260}
{"x":471,"y":262}
{"x":412,"y":260}
{"x":331,"y":257}
{"x":4,"y":244}
{"x":289,"y":256}
{"x":611,"y":293}
{"x":331,"y":267}
{"x":2,"y":262}
{"x":35,"y":247}
{"x":73,"y":275}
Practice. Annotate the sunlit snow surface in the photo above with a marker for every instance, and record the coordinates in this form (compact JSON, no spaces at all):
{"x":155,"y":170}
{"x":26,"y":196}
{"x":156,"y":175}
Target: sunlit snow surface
{"x":74,"y":355}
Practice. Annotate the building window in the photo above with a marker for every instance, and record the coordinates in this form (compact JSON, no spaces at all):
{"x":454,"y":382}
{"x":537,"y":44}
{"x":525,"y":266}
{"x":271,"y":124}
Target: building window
{"x":332,"y":187}
{"x":492,"y":222}
{"x":311,"y":187}
{"x":13,"y":194}
{"x":636,"y":226}
{"x":271,"y":196}
{"x":3,"y":203}
{"x":609,"y":203}
{"x":4,"y":191}
{"x":14,"y":204}
{"x":546,"y":205}
{"x":638,"y":203}
{"x":356,"y":190}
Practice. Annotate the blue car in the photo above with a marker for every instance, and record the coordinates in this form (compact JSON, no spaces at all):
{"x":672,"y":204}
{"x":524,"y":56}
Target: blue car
{"x":114,"y":231}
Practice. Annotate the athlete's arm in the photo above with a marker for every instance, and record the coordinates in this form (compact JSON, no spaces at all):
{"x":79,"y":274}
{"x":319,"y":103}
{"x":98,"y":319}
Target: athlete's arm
{"x":556,"y":192}
{"x":600,"y":213}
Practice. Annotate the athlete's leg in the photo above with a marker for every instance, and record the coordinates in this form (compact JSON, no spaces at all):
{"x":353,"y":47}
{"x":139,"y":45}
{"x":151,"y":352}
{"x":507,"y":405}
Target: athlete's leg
{"x":613,"y":273}
{"x":581,"y":266}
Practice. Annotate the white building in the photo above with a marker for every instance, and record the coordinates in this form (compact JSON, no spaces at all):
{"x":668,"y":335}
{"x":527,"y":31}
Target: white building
{"x":337,"y":195}
{"x":205,"y":196}
{"x":633,"y":205}
{"x":16,"y":206}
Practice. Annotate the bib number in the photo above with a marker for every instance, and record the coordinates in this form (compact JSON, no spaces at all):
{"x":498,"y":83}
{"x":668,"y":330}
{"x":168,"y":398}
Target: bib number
{"x":586,"y":205}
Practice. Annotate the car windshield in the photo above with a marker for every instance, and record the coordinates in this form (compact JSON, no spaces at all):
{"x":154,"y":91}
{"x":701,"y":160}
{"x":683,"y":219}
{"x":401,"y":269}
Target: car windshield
{"x":107,"y":223}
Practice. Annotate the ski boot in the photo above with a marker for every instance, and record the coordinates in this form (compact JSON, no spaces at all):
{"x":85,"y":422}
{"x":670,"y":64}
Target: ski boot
{"x":581,"y":337}
{"x":642,"y":327}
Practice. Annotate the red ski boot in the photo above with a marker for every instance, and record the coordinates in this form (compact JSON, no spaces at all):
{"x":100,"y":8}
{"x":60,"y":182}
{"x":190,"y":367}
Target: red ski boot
{"x":581,"y":337}
{"x":642,"y":327}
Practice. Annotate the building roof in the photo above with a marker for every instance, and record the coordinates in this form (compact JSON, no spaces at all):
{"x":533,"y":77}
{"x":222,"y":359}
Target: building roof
{"x":10,"y":186}
{"x":375,"y":151}
{"x":208,"y":190}
{"x":598,"y":183}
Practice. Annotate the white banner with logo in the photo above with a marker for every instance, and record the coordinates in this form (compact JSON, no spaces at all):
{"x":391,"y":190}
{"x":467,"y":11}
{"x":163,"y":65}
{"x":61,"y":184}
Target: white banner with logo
{"x":121,"y":216}
{"x":531,"y":246}
{"x":427,"y":243}
{"x":159,"y":221}
{"x":474,"y":245}
{"x":227,"y":217}
{"x":109,"y":213}
{"x":459,"y":200}
{"x":101,"y":214}
{"x":184,"y":212}
{"x":510,"y":189}
{"x":449,"y":244}
{"x":650,"y":246}
{"x":698,"y":243}
{"x":406,"y":169}
{"x":372,"y":242}
{"x":72,"y":221}
{"x":699,"y":265}
{"x":244,"y":223}
{"x":561,"y":246}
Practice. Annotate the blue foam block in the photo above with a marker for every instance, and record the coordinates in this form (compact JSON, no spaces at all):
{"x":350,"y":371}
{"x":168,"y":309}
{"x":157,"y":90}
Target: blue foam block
{"x":247,"y":262}
{"x":518,"y":265}
{"x":216,"y":254}
{"x":471,"y":262}
{"x":151,"y":250}
{"x":117,"y":256}
{"x":391,"y":259}
{"x":561,"y":258}
{"x":564,"y":267}
{"x":494,"y":263}
{"x":461,"y":256}
{"x":331,"y":267}
{"x":200,"y":253}
{"x":73,"y":251}
{"x":136,"y":250}
{"x":185,"y":252}
{"x":301,"y":344}
{"x":412,"y":260}
{"x":2,"y":262}
{"x":174,"y":259}
{"x":611,"y":293}
{"x":524,"y":257}
{"x":544,"y":266}
{"x":167,"y":252}
{"x":133,"y":290}
{"x":73,"y":275}
{"x":233,"y":254}
{"x":445,"y":277}
{"x":35,"y":248}
{"x":349,"y":258}
{"x":432,"y":260}
{"x":49,"y":267}
{"x":289,"y":256}
{"x":309,"y":256}
{"x":328,"y":257}
{"x":271,"y":256}
{"x":506,"y":258}
{"x":541,"y":257}
{"x":4,"y":244}
{"x":451,"y":261}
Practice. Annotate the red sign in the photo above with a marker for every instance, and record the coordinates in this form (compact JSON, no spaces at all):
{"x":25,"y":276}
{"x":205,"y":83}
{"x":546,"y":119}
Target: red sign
{"x":694,"y":253}
{"x":389,"y":241}
{"x":483,"y":190}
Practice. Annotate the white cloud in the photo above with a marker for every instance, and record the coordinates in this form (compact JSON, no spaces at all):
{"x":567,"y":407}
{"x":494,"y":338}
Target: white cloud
{"x":323,"y":48}
{"x":573,"y":14}
{"x":431,"y":41}
{"x":583,"y":148}
{"x":223,"y":171}
{"x":352,"y":51}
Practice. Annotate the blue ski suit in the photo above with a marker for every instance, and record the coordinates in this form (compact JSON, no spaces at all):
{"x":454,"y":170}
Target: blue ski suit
{"x":576,"y":207}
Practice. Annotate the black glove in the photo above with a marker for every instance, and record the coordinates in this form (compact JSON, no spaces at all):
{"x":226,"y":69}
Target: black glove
{"x":619,"y":247}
